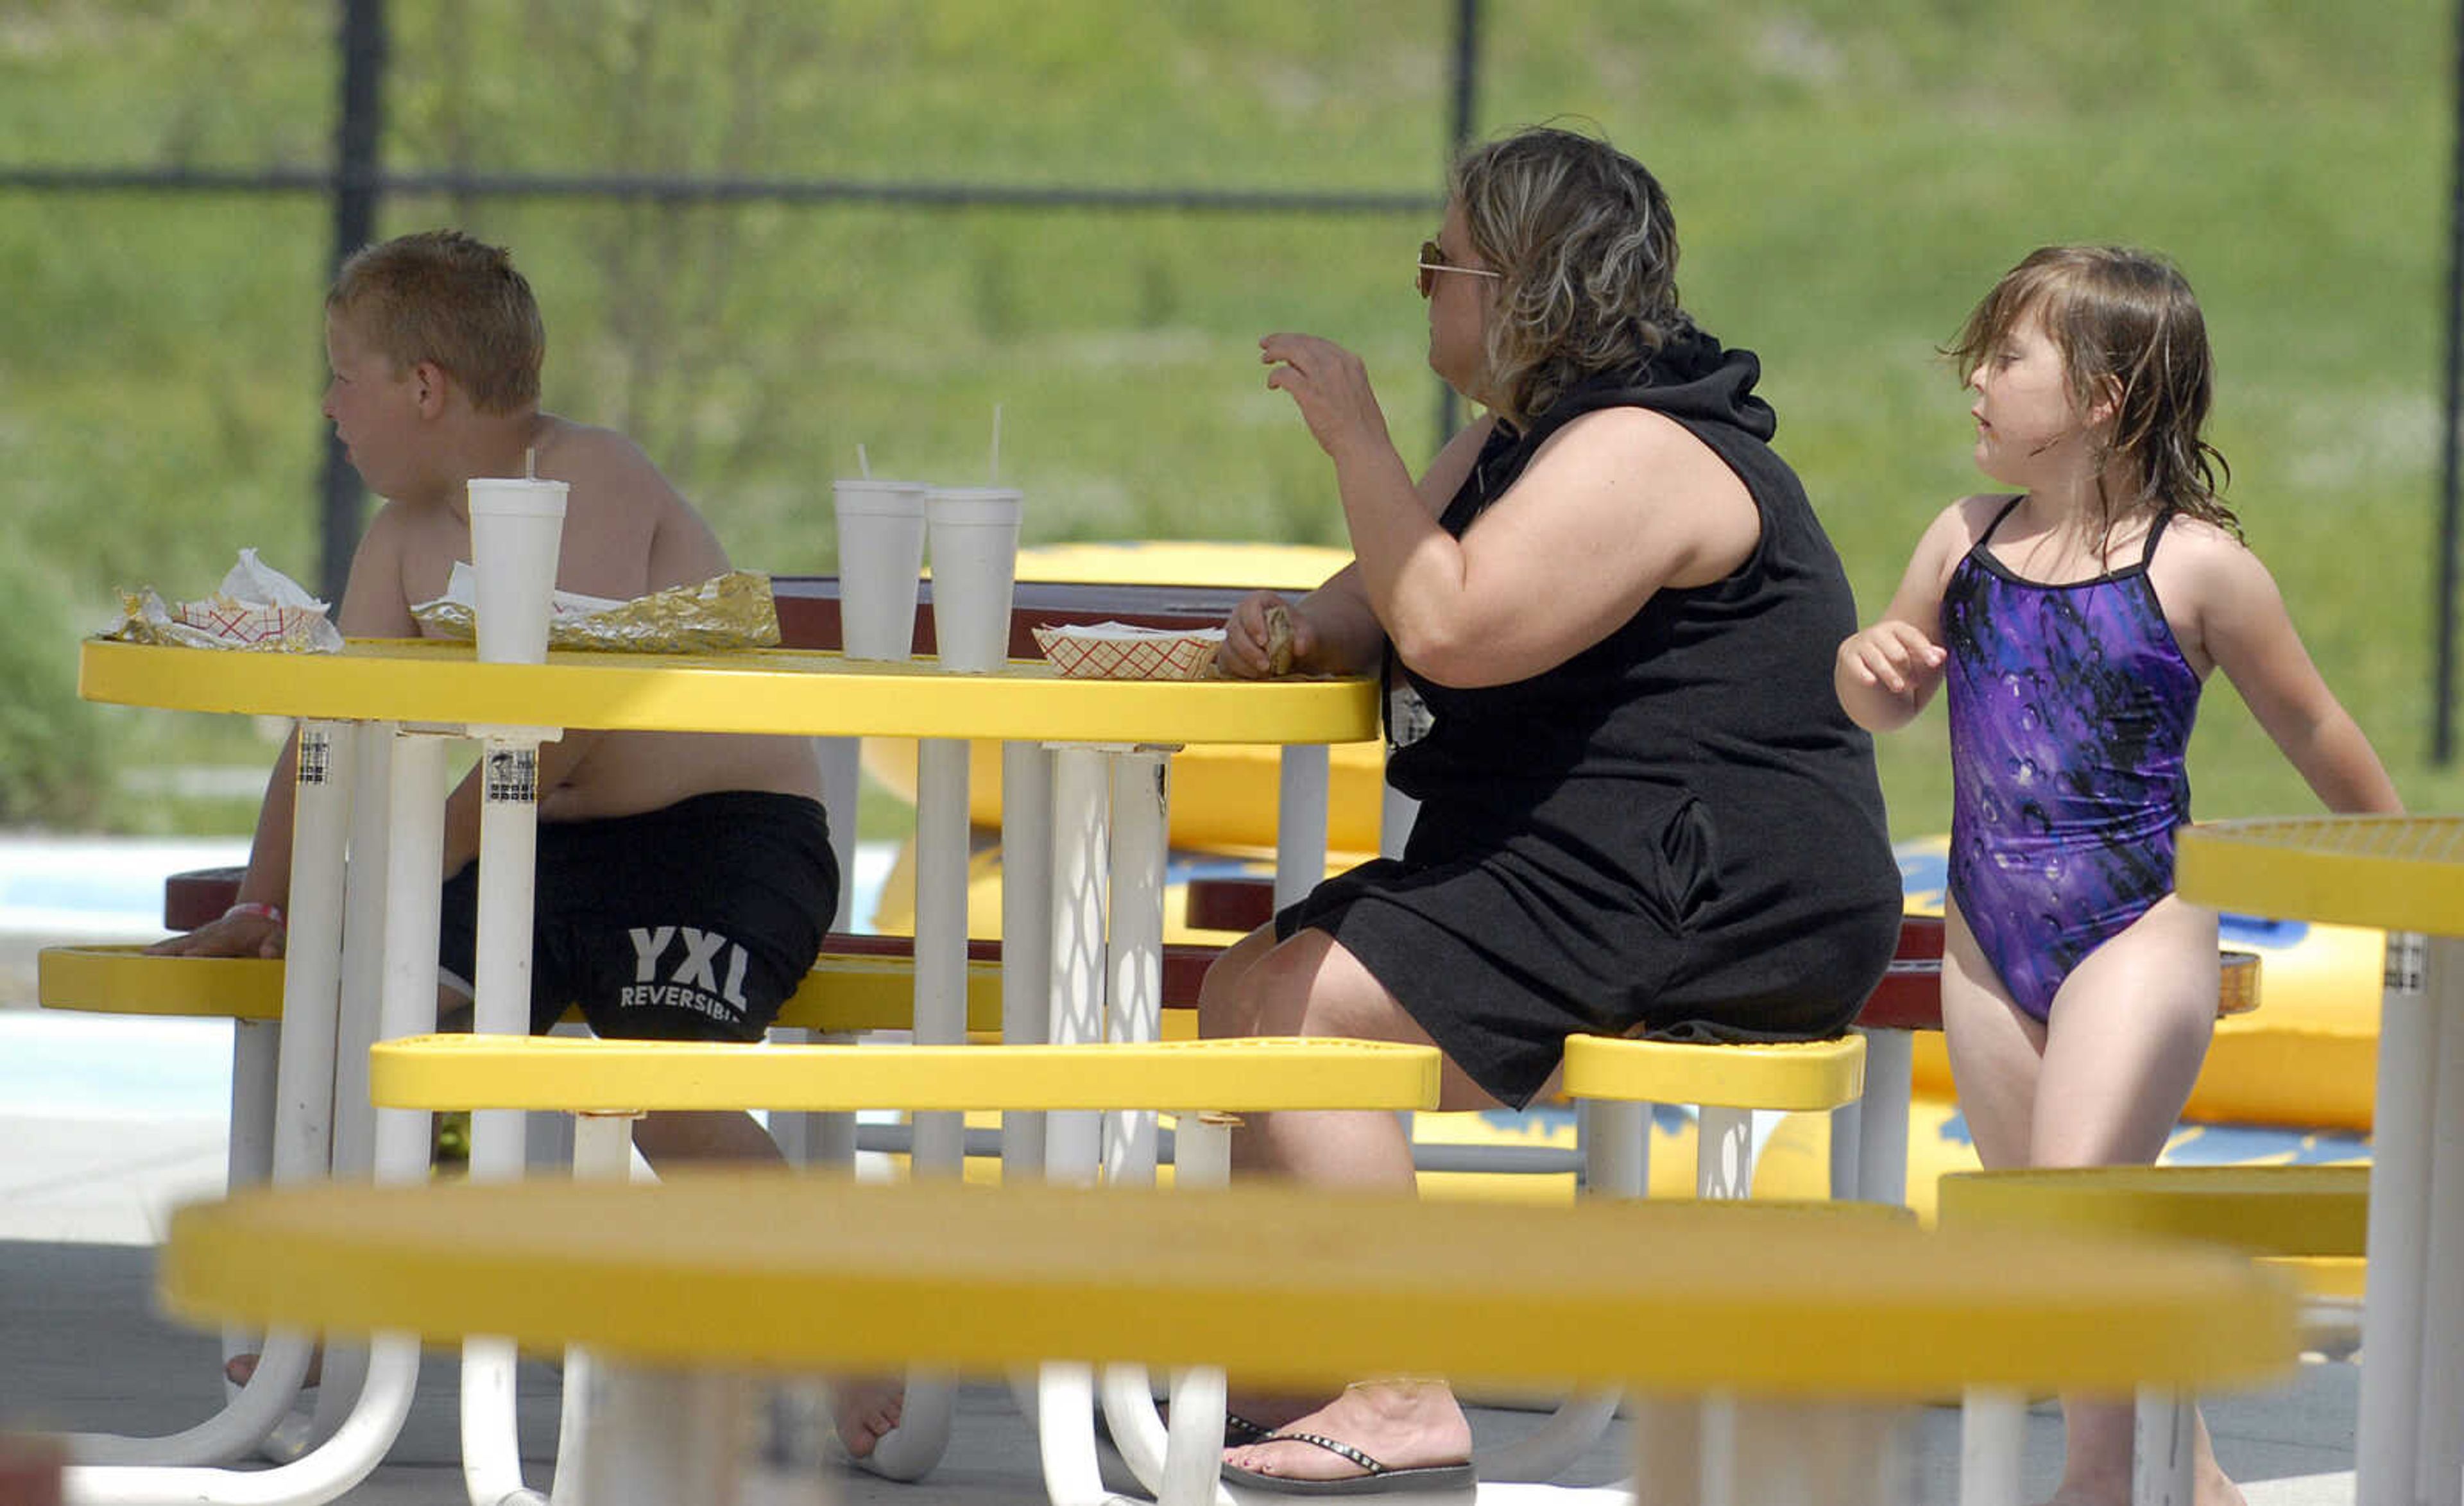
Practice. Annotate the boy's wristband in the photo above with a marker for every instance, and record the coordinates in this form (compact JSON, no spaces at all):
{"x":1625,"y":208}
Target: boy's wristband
{"x":263,"y":912}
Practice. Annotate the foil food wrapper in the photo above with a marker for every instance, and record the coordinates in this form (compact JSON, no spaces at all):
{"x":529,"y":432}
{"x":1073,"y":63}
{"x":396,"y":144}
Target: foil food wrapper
{"x":734,"y":610}
{"x":257,"y":607}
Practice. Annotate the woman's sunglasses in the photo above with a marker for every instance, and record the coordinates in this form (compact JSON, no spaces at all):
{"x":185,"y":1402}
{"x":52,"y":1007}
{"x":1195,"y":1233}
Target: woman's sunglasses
{"x":1434,"y":261}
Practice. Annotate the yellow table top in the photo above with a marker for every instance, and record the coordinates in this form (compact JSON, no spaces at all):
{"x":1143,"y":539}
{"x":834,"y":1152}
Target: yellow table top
{"x":2390,"y":873}
{"x":768,"y":1271}
{"x":750,"y":690}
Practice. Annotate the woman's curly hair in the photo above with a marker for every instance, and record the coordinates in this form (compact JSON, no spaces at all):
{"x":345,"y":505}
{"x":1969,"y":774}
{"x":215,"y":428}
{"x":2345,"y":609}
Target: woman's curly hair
{"x":1586,"y":251}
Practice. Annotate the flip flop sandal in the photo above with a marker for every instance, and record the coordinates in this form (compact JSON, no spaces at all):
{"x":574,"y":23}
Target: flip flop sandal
{"x":1239,"y":1432}
{"x":1379,"y":1479}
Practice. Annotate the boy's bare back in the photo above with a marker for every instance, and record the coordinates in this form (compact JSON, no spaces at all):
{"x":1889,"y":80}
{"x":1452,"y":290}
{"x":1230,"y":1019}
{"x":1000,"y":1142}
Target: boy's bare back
{"x":627,"y":533}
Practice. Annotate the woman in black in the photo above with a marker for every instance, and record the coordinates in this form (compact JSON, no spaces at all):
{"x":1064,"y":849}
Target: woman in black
{"x":1606,"y":614}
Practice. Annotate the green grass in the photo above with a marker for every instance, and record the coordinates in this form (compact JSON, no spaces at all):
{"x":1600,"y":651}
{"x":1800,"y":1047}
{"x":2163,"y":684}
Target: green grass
{"x":1849,"y":176}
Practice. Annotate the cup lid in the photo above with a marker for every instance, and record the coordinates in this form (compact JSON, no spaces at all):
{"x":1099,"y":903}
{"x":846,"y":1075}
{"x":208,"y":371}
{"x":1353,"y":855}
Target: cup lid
{"x":516,"y":497}
{"x":974,"y":504}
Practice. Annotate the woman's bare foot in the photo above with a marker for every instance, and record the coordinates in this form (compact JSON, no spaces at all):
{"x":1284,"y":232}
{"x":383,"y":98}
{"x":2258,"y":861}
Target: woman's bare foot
{"x":1401,"y":1424}
{"x":865,"y":1411}
{"x":2214,"y":1488}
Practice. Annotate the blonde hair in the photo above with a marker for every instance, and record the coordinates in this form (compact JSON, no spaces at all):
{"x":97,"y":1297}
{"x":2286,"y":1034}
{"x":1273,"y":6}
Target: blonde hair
{"x":2129,"y":331}
{"x":1585,"y":248}
{"x":442,"y":297}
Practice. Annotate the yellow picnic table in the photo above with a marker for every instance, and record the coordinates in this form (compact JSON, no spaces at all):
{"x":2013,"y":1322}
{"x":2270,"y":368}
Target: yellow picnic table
{"x":1083,"y":949}
{"x":2404,"y":874}
{"x":682,"y":1289}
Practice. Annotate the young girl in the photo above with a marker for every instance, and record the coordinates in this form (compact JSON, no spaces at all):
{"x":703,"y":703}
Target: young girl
{"x":2076,"y":619}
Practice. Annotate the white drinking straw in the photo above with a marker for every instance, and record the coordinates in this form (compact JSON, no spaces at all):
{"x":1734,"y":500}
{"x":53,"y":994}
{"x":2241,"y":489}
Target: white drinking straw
{"x":862,"y":464}
{"x":997,"y":444}
{"x":530,"y":462}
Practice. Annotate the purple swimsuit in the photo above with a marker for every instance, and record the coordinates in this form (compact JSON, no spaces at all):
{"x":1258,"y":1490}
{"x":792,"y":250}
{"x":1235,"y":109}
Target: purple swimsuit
{"x":2071,"y":707}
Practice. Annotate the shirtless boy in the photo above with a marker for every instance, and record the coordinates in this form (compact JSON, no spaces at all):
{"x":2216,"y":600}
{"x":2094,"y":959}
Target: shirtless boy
{"x":436,"y":344}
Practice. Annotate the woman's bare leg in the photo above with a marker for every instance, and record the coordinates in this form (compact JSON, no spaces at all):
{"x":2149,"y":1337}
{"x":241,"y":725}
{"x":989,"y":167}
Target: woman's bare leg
{"x":1310,"y":986}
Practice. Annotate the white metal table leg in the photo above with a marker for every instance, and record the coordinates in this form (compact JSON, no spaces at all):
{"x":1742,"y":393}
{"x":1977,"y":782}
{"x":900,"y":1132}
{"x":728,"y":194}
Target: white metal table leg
{"x":1992,"y":1425}
{"x":2386,"y":1431}
{"x":1882,"y":1170}
{"x":2161,"y":1452}
{"x":345,"y":1363}
{"x":321,"y":1475}
{"x":662,"y":1437}
{"x":401,"y":1155}
{"x":1026,"y":932}
{"x":1816,"y":1454}
{"x":303,"y":1097}
{"x":492,"y":1464}
{"x":1299,"y":820}
{"x":1724,"y":1152}
{"x":1081,"y":787}
{"x":910,"y":1451}
{"x":2440,"y":1476}
{"x":1134,"y":1010}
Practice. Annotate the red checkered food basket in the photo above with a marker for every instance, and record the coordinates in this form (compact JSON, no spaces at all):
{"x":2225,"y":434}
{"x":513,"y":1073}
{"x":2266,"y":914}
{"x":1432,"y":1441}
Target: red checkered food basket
{"x":1117,"y":651}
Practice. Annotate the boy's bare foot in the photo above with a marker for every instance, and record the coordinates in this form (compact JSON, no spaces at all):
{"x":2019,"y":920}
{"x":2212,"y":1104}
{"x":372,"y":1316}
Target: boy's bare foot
{"x":1402,"y":1426}
{"x":240,"y":1369}
{"x":865,"y":1411}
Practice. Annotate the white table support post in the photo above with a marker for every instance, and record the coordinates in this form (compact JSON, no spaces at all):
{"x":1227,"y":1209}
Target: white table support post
{"x":2440,"y":1476}
{"x":828,"y":1140}
{"x":941,"y":843}
{"x":1299,"y":820}
{"x":937,"y":1147}
{"x":1141,"y":792}
{"x":1817,"y":1454}
{"x":1081,"y":844}
{"x":1992,"y":1425}
{"x":664,"y":1437}
{"x":301,"y":1141}
{"x":354,"y":1157}
{"x":2388,"y":1426}
{"x":2162,"y":1450}
{"x":1869,"y":1151}
{"x":359,"y":1444}
{"x":492,"y":1464}
{"x":1026,"y":932}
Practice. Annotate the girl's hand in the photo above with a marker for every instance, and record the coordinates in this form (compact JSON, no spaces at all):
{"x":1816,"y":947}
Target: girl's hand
{"x":1265,"y":636}
{"x":1891,"y":655}
{"x":1330,"y":387}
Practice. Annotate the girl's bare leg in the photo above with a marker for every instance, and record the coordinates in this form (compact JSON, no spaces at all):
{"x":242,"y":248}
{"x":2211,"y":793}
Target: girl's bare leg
{"x":2130,"y":1031}
{"x":1996,"y":1051}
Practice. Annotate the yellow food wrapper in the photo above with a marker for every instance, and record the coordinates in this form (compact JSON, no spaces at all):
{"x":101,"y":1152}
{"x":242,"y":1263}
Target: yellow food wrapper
{"x":257,"y":608}
{"x":734,"y":610}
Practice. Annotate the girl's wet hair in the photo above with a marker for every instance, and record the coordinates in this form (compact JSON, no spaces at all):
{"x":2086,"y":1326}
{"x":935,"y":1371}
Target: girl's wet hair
{"x":442,"y":297}
{"x":2129,"y":331}
{"x":1586,"y":250}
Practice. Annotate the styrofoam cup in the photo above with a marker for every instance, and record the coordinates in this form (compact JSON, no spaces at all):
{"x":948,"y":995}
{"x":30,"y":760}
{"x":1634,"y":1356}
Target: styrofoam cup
{"x":975,"y":567}
{"x":881,"y":556}
{"x":516,"y":525}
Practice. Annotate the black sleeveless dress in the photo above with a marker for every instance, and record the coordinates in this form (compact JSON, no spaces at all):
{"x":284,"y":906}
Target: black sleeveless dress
{"x":1677,"y":832}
